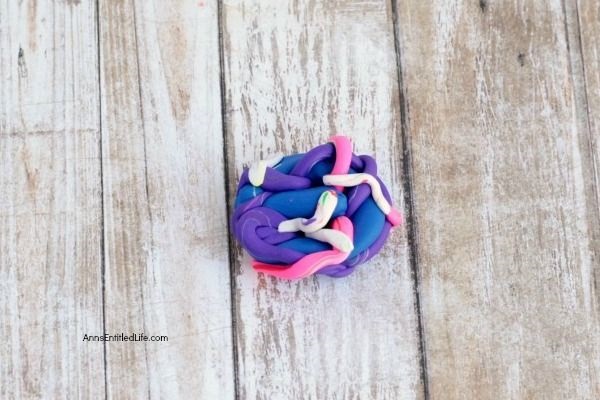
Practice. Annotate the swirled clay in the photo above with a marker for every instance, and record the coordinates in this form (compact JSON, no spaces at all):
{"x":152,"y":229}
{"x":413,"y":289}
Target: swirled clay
{"x":321,"y":212}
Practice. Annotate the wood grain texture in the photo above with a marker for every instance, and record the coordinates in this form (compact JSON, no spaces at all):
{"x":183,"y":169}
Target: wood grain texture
{"x":50,"y":202}
{"x":584,"y":24}
{"x":509,"y":298}
{"x":295,"y":74}
{"x":167,"y":270}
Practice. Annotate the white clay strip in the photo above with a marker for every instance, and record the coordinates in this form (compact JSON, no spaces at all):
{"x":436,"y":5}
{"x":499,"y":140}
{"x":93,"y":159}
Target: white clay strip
{"x":257,"y":171}
{"x":337,"y":239}
{"x":355,"y":180}
{"x":325,"y":207}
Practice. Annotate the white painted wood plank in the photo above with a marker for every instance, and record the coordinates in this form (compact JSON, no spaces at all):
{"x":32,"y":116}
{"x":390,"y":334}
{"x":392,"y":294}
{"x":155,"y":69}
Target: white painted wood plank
{"x":297,"y":73}
{"x":50,"y":202}
{"x":506,"y":249}
{"x":167,"y":270}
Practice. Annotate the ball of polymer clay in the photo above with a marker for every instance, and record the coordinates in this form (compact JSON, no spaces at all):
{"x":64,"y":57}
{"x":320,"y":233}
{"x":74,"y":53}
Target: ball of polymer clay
{"x":321,"y":212}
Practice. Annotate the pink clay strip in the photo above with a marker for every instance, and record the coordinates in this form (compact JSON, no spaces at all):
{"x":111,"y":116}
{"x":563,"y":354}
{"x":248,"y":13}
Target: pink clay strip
{"x":311,"y":263}
{"x":343,"y":156}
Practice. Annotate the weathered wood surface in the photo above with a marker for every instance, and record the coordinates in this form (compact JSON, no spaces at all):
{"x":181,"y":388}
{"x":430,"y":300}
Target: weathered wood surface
{"x":166,"y":266}
{"x":50,"y":208}
{"x":586,"y":44}
{"x":507,"y":264}
{"x":585,"y":25}
{"x":112,"y":183}
{"x":296,"y":73}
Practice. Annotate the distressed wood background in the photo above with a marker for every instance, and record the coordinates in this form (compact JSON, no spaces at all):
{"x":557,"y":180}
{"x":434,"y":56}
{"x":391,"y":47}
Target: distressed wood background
{"x":124,"y":126}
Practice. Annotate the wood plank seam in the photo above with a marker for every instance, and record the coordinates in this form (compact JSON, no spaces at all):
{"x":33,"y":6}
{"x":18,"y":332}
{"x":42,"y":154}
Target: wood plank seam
{"x":102,"y":202}
{"x":230,"y":244}
{"x":410,"y":217}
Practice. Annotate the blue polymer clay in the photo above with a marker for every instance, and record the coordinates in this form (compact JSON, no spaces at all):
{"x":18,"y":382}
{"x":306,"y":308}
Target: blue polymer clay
{"x":297,"y":203}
